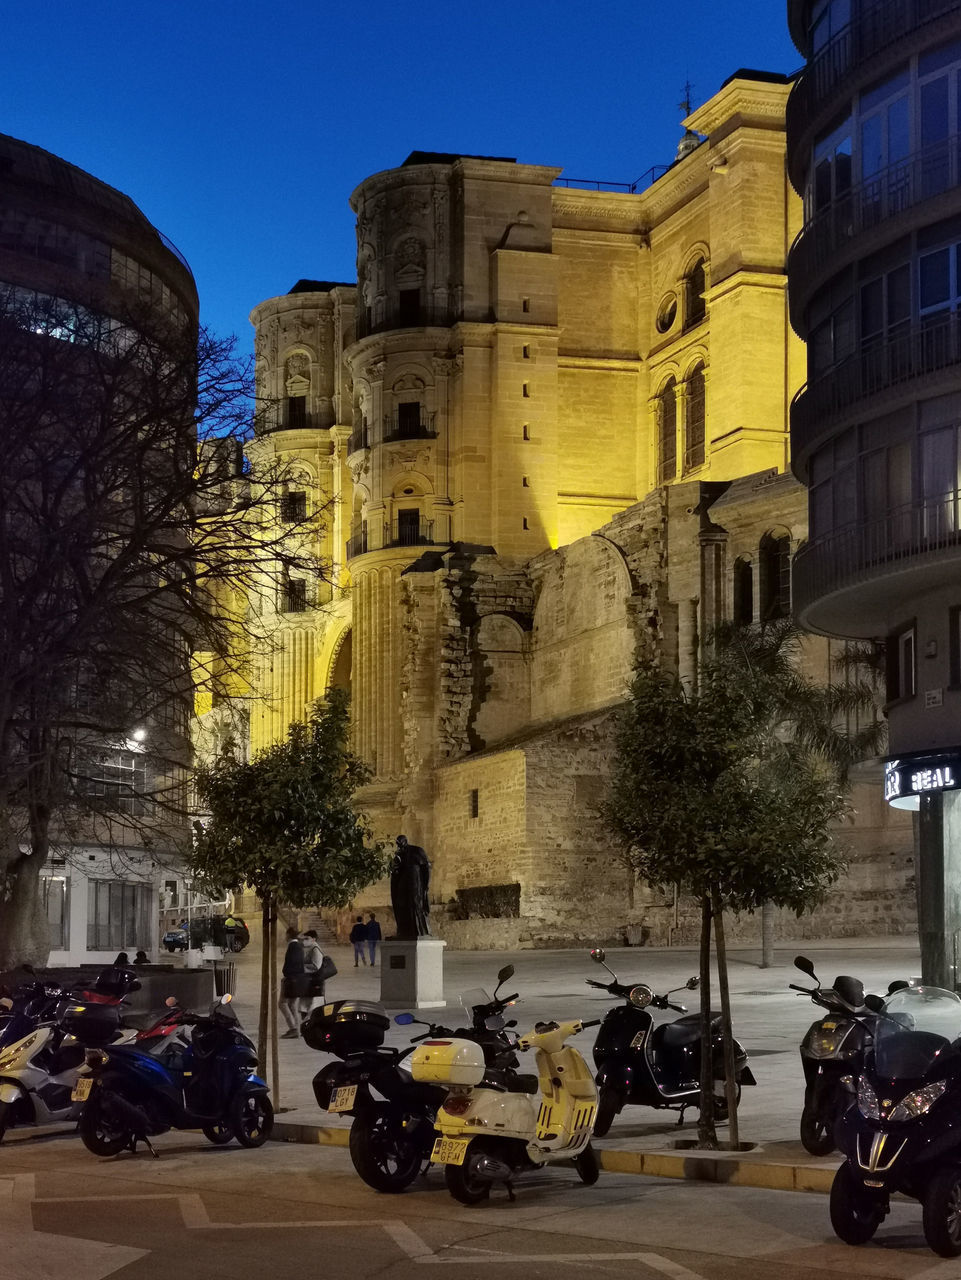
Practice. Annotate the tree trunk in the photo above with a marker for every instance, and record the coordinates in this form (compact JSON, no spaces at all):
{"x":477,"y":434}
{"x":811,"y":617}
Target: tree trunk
{"x":24,"y":933}
{"x":264,"y":1018}
{"x":767,"y":935}
{"x":706,"y":1132}
{"x":274,"y":1015}
{"x":730,"y":1084}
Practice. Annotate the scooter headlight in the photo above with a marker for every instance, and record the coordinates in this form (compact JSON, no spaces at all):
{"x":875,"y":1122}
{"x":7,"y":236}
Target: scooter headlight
{"x":868,"y":1100}
{"x":641,"y":996}
{"x":917,"y":1104}
{"x":16,"y":1051}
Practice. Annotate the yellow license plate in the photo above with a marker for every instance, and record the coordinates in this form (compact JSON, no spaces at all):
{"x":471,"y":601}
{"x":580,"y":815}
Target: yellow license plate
{"x":81,"y":1090}
{"x":449,"y":1150}
{"x":343,"y":1098}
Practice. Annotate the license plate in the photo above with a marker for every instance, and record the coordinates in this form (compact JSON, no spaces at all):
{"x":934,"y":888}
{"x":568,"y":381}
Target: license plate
{"x":449,"y":1150}
{"x":343,"y":1098}
{"x":638,"y":1040}
{"x":81,"y":1090}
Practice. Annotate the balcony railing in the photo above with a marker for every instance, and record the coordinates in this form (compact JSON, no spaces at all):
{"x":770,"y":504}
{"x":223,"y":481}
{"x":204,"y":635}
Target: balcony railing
{"x":403,"y":316}
{"x":920,"y":350}
{"x":409,"y":533}
{"x":902,"y":185}
{"x":879,"y":26}
{"x":357,"y":544}
{"x":398,"y":428}
{"x":861,"y":552}
{"x":358,"y":439}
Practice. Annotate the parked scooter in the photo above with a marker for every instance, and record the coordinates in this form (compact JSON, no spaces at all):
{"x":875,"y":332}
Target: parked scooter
{"x":904,"y":1134}
{"x":130,"y":1096}
{"x":650,"y":1066}
{"x":834,"y":1046}
{"x":490,"y":1134}
{"x":43,"y":1042}
{"x":391,"y":1136}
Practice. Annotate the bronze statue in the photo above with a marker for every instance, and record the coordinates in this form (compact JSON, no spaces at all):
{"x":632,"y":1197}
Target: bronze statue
{"x":409,"y":881}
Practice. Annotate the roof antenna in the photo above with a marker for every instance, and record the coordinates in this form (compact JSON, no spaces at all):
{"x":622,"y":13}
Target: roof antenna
{"x":690,"y":140}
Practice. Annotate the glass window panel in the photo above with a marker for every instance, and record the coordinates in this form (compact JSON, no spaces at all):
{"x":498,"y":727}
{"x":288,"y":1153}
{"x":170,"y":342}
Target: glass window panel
{"x":899,"y":130}
{"x":938,"y":58}
{"x":899,"y":295}
{"x":872,"y":98}
{"x":844,"y":330}
{"x":935,"y":124}
{"x":935,"y":279}
{"x":938,"y":468}
{"x":872,"y":147}
{"x":874,"y":473}
{"x":845,"y":447}
{"x":842,"y":167}
{"x":872,"y":308}
{"x":822,"y":510}
{"x":899,"y":476}
{"x":845,"y":496}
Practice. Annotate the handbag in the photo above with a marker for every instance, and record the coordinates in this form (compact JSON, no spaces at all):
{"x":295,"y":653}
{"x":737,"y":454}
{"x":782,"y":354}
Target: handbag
{"x":327,"y":970}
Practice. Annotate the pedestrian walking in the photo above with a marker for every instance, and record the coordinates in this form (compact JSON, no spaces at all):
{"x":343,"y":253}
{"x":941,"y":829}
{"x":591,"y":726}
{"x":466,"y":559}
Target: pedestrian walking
{"x":294,"y":984}
{"x":230,"y":932}
{"x":374,"y":935}
{"x":358,"y":936}
{"x":313,"y":959}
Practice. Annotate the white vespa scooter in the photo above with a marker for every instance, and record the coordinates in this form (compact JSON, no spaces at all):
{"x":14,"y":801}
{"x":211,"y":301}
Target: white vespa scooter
{"x":490,"y":1132}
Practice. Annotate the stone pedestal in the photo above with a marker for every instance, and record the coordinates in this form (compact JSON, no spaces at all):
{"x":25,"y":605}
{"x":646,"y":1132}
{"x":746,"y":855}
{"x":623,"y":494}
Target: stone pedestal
{"x":412,"y":974}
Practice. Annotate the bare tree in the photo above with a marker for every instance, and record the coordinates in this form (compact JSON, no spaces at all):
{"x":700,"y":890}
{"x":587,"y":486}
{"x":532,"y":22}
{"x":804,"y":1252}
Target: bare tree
{"x":134,"y":537}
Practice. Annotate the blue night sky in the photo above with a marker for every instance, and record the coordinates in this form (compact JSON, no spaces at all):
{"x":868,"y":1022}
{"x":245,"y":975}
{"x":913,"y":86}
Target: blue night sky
{"x":240,"y":129}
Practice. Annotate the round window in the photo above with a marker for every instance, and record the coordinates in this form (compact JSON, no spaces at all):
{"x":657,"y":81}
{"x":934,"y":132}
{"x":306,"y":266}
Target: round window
{"x":666,"y":313}
{"x":407,"y":492}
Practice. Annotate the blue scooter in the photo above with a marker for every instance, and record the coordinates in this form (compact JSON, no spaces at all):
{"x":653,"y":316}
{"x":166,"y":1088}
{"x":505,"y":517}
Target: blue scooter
{"x":208,"y":1083}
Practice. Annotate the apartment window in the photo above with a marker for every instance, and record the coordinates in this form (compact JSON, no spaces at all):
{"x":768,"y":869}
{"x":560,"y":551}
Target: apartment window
{"x":527,"y":431}
{"x":525,"y":304}
{"x":743,"y":593}
{"x":526,"y":390}
{"x":694,"y":427}
{"x":120,"y":915}
{"x":831,"y":321}
{"x":832,"y":168}
{"x":526,"y":352}
{"x":695,"y":307}
{"x":408,"y":419}
{"x":293,"y":507}
{"x":474,"y":803}
{"x":666,"y":411}
{"x":774,"y":573}
{"x":116,"y":781}
{"x":828,"y":19}
{"x":293,"y":597}
{"x":525,"y":524}
{"x":954,"y":646}
{"x":901,"y":679}
{"x":408,"y":526}
{"x":408,"y":306}
{"x":55,"y":891}
{"x":296,"y":411}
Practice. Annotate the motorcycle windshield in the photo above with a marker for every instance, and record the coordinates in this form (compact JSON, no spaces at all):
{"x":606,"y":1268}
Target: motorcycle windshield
{"x":473,"y":999}
{"x":914,"y":1028}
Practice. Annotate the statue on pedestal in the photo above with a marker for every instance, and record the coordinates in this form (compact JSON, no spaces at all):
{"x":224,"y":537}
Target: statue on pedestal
{"x":409,"y":881}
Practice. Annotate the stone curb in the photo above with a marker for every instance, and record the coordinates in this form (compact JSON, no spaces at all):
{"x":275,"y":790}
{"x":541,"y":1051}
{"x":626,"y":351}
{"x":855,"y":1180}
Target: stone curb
{"x":709,"y":1166}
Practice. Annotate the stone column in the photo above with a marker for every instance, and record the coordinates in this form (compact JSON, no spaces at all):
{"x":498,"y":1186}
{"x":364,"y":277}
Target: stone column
{"x":939,"y":887}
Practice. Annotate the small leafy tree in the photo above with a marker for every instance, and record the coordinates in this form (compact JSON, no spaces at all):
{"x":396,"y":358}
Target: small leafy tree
{"x":285,"y":824}
{"x":730,"y":790}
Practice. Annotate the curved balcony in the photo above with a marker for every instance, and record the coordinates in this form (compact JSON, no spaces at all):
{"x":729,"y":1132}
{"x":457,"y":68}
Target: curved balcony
{"x":876,"y":203}
{"x":411,"y":530}
{"x":403,"y":315}
{"x":841,"y":583}
{"x":358,"y":439}
{"x":898,"y":360}
{"x":399,"y":426}
{"x":881,"y":26}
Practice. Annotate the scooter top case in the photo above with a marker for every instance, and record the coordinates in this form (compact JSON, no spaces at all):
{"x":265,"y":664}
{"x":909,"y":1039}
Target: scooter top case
{"x":450,"y":1062}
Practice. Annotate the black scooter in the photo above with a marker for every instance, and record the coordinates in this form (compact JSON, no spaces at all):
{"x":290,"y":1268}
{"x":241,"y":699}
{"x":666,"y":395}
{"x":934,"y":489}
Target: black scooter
{"x":652,"y":1066}
{"x":834,"y":1046}
{"x":392,"y":1136}
{"x":904,"y":1133}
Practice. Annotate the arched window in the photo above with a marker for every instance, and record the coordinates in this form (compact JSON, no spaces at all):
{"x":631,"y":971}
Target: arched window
{"x":695,"y":308}
{"x":774,"y":573}
{"x":694,"y":427}
{"x":667,"y":433}
{"x":743,"y":612}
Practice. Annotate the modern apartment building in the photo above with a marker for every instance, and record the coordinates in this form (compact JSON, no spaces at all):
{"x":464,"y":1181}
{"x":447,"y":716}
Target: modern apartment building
{"x":874,"y":149}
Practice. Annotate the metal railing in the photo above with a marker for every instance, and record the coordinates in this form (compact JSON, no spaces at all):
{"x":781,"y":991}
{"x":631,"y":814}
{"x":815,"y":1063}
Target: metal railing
{"x":878,"y":27}
{"x":889,"y":193}
{"x":357,"y":544}
{"x":359,"y":439}
{"x":398,"y":316}
{"x":647,"y":179}
{"x":861,"y":552}
{"x":923,"y":348}
{"x":409,"y":533}
{"x":397,"y":428}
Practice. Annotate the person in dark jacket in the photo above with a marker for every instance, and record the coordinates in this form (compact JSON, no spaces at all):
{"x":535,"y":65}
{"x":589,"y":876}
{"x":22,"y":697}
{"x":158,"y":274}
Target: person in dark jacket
{"x":294,"y":984}
{"x":358,"y":936}
{"x":374,"y":935}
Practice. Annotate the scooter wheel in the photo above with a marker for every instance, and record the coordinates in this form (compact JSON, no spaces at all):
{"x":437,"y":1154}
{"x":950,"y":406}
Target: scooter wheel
{"x":942,"y":1213}
{"x":854,"y":1216}
{"x":219,"y":1134}
{"x":817,"y":1134}
{"x":588,"y":1166}
{"x":98,"y":1132}
{"x":251,"y":1117}
{"x":609,"y":1104}
{"x":4,"y":1118}
{"x":383,"y":1153}
{"x":463,"y":1181}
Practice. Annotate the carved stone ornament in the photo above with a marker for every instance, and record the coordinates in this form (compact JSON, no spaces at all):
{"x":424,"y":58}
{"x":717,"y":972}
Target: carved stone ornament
{"x":409,"y":382}
{"x":298,"y":365}
{"x":410,"y":252}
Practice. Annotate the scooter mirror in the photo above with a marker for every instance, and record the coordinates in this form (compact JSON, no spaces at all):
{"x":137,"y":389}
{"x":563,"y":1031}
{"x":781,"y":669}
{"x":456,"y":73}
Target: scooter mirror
{"x":599,"y":955}
{"x":404,"y":1019}
{"x":505,"y":973}
{"x":495,"y":1022}
{"x":874,"y":1003}
{"x":171,"y":1002}
{"x":897,"y":985}
{"x":805,"y":965}
{"x":692,"y":984}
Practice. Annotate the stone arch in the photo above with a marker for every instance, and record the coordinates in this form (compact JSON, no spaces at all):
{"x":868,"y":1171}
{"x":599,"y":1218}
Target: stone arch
{"x":421,"y":485}
{"x":774,"y":574}
{"x":339,"y":664}
{"x":503,"y":649}
{"x":695,"y":284}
